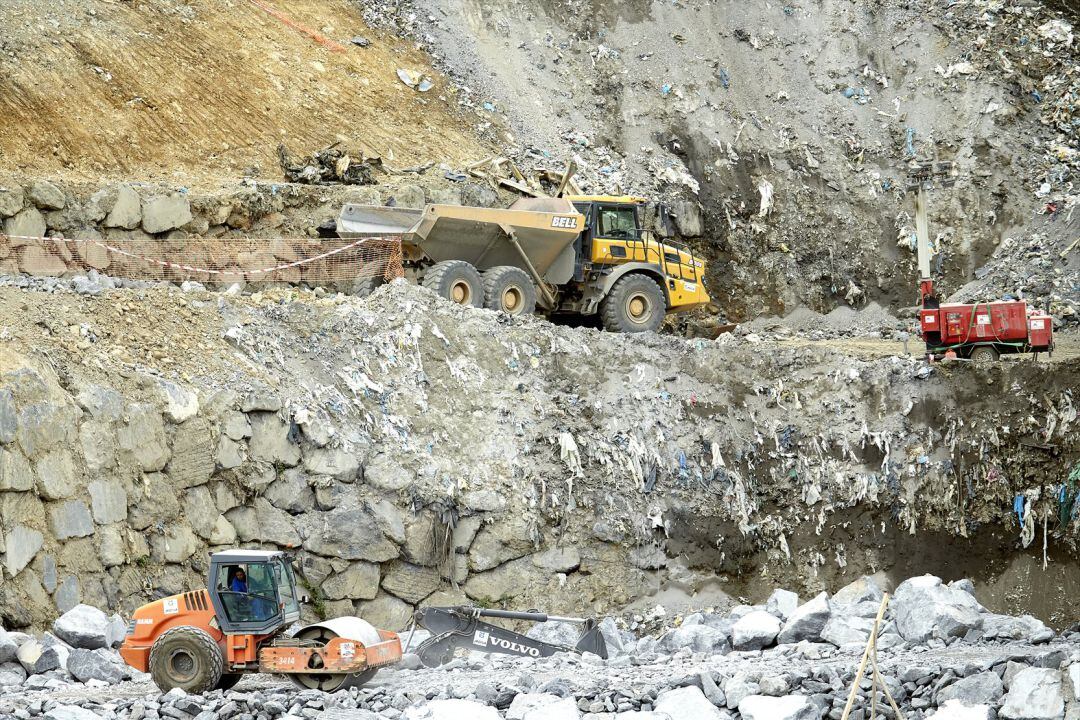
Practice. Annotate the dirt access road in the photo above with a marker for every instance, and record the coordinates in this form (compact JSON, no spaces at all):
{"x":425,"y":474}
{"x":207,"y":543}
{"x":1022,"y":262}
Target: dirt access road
{"x":1068,"y":348}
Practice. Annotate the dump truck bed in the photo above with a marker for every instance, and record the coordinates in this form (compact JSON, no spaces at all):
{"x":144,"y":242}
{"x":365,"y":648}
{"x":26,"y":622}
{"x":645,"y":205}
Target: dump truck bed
{"x":545,"y":228}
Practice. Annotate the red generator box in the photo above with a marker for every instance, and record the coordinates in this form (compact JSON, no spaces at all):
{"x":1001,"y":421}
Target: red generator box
{"x":1041,"y":332}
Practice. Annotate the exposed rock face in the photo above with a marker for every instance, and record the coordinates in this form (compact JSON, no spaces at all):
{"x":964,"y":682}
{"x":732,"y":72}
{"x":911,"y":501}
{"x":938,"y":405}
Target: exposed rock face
{"x":926,"y":608}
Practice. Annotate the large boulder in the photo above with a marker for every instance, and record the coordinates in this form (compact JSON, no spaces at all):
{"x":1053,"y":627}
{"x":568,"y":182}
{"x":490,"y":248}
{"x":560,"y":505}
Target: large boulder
{"x":790,"y":707}
{"x":26,"y":223}
{"x":108,"y":500}
{"x":956,"y":710}
{"x":70,"y":712}
{"x":554,"y":632}
{"x":739,"y":686}
{"x":46,"y":195}
{"x":1035,"y":694}
{"x":451,"y":710}
{"x":687,"y":702}
{"x":755,"y":631}
{"x":411,"y":583}
{"x":865,"y":589}
{"x":38,"y":656}
{"x":9,"y":649}
{"x":11,"y":200}
{"x":272,"y":440}
{"x":1007,"y":627}
{"x":562,"y":709}
{"x":162,"y":213}
{"x":524,"y":703}
{"x":924,"y":608}
{"x":844,"y":629}
{"x":83,"y":627}
{"x":983,"y":688}
{"x":500,"y":542}
{"x":697,"y":638}
{"x":94,"y":665}
{"x":11,"y":674}
{"x":782,"y":603}
{"x":807,"y":622}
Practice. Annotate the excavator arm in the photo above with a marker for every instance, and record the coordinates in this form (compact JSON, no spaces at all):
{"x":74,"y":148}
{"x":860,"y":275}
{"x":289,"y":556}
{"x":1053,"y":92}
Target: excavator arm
{"x":461,"y":627}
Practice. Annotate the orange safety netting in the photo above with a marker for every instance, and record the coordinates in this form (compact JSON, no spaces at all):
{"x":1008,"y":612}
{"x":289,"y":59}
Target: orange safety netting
{"x":215,"y":260}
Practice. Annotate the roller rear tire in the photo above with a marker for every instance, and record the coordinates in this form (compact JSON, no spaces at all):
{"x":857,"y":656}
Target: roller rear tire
{"x":510,"y":290}
{"x":457,"y":281}
{"x":188,"y":658}
{"x":635,"y":304}
{"x":323,"y":633}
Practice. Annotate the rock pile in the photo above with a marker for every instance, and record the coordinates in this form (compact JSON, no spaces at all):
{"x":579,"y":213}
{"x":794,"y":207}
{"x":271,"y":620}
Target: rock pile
{"x":777,"y":661}
{"x":413,"y":451}
{"x":80,"y":648}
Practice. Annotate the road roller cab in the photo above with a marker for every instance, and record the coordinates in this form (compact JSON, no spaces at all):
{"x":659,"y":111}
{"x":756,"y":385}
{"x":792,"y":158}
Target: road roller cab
{"x":207,"y":639}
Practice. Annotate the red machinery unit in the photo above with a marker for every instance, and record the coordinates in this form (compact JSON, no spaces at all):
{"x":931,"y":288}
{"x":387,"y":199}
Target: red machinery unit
{"x":985,"y":330}
{"x":980,"y":331}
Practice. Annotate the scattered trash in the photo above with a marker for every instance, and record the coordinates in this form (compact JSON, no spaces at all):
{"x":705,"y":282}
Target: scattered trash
{"x":1058,"y":31}
{"x":665,"y":90}
{"x":725,"y":78}
{"x":415,"y":80}
{"x":961,"y":68}
{"x":766,"y":189}
{"x":360,"y":41}
{"x":331,"y":165}
{"x":909,"y":142}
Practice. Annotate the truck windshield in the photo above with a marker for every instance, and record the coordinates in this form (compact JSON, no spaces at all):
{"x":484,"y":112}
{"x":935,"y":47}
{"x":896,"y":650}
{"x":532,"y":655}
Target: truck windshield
{"x":618,"y":222}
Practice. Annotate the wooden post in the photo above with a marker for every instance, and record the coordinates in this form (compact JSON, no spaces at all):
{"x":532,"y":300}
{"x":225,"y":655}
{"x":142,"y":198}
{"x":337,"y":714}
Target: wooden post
{"x":871,"y":651}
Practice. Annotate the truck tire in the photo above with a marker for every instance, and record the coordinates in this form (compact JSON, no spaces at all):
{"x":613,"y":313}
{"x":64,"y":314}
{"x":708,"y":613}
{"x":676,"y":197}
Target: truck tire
{"x":984,"y":354}
{"x":510,"y":290}
{"x":457,"y":281}
{"x":636,"y":304}
{"x":364,"y":286}
{"x":186,"y":657}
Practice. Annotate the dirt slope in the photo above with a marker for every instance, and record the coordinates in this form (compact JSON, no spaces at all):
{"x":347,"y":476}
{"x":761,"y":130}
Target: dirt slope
{"x":203,"y":89}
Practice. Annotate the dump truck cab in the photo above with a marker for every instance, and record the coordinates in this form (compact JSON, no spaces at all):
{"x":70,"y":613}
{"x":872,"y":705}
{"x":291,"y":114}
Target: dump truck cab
{"x":615,"y":243}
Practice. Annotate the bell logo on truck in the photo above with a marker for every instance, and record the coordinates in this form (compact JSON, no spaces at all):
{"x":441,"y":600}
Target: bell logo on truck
{"x":564,"y":221}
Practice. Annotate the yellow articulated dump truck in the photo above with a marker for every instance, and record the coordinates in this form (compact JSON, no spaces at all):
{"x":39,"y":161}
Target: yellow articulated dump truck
{"x":575,"y":255}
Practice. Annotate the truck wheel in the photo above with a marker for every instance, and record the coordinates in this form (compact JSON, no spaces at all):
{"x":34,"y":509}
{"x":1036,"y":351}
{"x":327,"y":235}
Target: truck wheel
{"x":457,"y":281}
{"x":186,"y":658}
{"x":510,"y":290}
{"x":984,"y":354}
{"x":364,"y":286}
{"x":635,"y":304}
